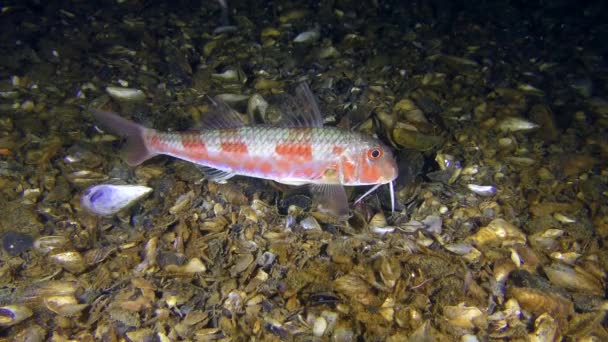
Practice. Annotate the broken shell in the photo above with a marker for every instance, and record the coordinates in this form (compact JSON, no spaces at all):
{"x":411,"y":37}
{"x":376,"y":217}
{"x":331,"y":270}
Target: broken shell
{"x":263,"y":84}
{"x":293,"y":15}
{"x":232,"y":99}
{"x":85,"y":177}
{"x":107,"y":199}
{"x":46,"y":244}
{"x":459,"y":248}
{"x":569,"y":258}
{"x":378,"y":221}
{"x":409,"y":137}
{"x":257,"y":105}
{"x":387,"y":310}
{"x":231,"y":76}
{"x":182,"y":202}
{"x":389,"y":271}
{"x":214,"y":224}
{"x":126,"y":94}
{"x":195,"y":265}
{"x":462,"y":316}
{"x":97,"y":255}
{"x":234,"y":302}
{"x":242,"y":263}
{"x":502,"y":268}
{"x":563,"y":218}
{"x":432,"y":224}
{"x":546,"y":329}
{"x":515,"y":124}
{"x":329,"y":52}
{"x":356,"y":288}
{"x":70,"y":261}
{"x":382,"y":230}
{"x":14,"y":314}
{"x":66,"y":306}
{"x":307,"y":37}
{"x":249,"y":214}
{"x":573,"y":279}
{"x":447,"y":161}
{"x":310,"y":223}
{"x":232,"y":193}
{"x":266,"y":259}
{"x":547,"y":239}
{"x":411,"y":226}
{"x":32,"y":333}
{"x":270,"y":32}
{"x":530,"y":89}
{"x":498,"y":232}
{"x":343,"y":332}
{"x":56,"y":288}
{"x":539,"y":302}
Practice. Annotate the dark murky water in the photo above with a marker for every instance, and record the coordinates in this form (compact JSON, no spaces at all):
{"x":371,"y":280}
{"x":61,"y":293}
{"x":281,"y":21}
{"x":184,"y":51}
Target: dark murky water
{"x":497,"y":113}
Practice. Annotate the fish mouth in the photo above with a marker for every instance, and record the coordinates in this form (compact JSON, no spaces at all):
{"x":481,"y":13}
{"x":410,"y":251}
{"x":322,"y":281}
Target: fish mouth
{"x":389,"y":179}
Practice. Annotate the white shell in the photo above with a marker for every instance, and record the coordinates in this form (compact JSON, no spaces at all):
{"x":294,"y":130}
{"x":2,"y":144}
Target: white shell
{"x":319,"y":326}
{"x":515,"y":124}
{"x":307,"y":37}
{"x":126,"y":94}
{"x":107,"y":199}
{"x":482,"y":190}
{"x":13,"y":314}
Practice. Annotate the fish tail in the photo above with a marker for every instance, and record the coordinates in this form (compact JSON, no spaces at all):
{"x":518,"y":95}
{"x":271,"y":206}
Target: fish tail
{"x":136,"y":150}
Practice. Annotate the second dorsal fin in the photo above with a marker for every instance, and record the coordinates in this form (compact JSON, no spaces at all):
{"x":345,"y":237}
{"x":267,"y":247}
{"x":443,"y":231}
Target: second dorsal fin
{"x":221,"y":116}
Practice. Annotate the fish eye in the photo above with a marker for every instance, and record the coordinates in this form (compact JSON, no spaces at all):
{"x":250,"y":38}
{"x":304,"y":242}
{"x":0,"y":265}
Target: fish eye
{"x":374,"y":153}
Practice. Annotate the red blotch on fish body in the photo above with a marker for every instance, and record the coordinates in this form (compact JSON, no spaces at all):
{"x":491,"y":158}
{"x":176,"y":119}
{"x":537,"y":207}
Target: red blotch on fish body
{"x":250,"y":164}
{"x":234,"y":147}
{"x":349,"y":170}
{"x":283,"y":166}
{"x":295,"y":151}
{"x":266,"y":168}
{"x":194,"y":146}
{"x":369,"y":172}
{"x":160,"y":144}
{"x":156,"y":143}
{"x":307,"y":172}
{"x":337,"y":149}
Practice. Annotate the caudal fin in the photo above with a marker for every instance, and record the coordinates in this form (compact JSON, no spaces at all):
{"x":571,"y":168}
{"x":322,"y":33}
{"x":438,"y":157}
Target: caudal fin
{"x":136,"y":151}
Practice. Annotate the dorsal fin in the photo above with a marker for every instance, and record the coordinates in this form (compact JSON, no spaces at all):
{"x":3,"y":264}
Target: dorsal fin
{"x":301,"y":110}
{"x":221,"y":116}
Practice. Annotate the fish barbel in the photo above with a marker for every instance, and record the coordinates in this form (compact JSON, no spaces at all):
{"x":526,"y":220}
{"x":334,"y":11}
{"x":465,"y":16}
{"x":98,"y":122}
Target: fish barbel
{"x":299,"y":151}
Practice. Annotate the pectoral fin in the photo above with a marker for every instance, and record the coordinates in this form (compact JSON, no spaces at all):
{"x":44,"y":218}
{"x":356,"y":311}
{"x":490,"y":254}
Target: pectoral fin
{"x":332,"y":197}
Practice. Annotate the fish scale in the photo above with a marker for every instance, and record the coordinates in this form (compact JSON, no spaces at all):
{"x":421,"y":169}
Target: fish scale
{"x":260,"y":142}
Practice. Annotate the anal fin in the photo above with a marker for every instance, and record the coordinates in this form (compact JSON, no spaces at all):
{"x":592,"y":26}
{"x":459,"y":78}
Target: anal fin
{"x":215,"y":175}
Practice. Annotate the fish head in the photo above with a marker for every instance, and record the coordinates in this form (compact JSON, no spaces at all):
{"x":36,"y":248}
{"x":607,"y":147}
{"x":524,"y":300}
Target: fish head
{"x":370,"y":163}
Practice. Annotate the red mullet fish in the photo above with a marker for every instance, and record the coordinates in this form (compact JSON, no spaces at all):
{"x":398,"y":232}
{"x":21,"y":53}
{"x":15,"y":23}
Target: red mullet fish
{"x":299,"y":151}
